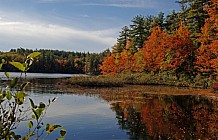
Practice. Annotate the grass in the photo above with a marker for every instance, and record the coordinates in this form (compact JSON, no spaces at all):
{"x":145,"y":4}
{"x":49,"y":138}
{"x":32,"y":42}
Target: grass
{"x":100,"y":81}
{"x":138,"y":89}
{"x":122,"y":80}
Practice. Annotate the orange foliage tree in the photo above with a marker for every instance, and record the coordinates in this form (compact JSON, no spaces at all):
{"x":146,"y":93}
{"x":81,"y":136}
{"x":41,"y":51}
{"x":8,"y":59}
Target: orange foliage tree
{"x":109,"y":65}
{"x":207,"y":54}
{"x":180,"y":51}
{"x":127,"y":58}
{"x":152,"y":53}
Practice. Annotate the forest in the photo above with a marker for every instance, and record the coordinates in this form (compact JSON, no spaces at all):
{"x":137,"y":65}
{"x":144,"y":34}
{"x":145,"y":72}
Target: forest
{"x":182,"y":44}
{"x":55,"y":61}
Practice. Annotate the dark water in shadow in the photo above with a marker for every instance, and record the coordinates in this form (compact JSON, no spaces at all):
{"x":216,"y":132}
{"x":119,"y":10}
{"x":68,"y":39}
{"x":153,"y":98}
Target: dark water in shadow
{"x":167,"y":117}
{"x":127,"y":116}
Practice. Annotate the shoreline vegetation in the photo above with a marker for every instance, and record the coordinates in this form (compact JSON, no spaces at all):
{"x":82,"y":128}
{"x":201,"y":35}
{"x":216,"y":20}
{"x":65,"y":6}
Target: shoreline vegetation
{"x":141,"y":83}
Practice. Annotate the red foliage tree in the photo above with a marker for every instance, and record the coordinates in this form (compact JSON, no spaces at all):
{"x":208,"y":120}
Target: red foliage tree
{"x":180,"y":50}
{"x":153,"y":51}
{"x":207,"y":54}
{"x":109,"y":65}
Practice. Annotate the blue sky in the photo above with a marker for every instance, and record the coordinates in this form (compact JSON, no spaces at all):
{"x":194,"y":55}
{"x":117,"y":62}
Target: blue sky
{"x":71,"y":25}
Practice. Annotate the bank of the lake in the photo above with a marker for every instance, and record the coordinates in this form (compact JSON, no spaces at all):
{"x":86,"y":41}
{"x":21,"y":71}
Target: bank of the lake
{"x":141,"y":83}
{"x":140,"y":89}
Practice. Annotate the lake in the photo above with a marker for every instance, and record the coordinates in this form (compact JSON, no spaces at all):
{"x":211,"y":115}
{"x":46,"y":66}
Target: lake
{"x":124,"y":116}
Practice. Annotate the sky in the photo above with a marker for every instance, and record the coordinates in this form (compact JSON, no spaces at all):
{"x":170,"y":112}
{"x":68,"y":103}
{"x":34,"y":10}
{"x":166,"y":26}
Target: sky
{"x":71,"y":25}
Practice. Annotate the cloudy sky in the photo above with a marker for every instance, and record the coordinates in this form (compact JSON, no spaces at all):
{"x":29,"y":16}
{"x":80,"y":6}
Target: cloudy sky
{"x":71,"y":25}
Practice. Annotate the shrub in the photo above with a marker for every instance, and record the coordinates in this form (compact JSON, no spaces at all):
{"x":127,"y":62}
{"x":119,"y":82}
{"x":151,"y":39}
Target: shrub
{"x":99,"y":81}
{"x":13,"y":108}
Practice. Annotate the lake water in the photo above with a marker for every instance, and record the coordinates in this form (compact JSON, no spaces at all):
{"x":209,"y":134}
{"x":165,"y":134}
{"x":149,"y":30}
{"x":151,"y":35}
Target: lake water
{"x":126,"y":116}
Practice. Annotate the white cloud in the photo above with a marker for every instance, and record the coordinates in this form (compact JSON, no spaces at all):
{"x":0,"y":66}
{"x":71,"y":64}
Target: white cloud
{"x":52,"y":36}
{"x":124,"y":3}
{"x":111,"y":3}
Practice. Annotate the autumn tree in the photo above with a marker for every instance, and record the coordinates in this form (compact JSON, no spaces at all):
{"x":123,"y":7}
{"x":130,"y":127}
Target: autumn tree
{"x":180,"y":52}
{"x":207,"y":54}
{"x":109,"y":65}
{"x":127,"y":58}
{"x":153,"y":51}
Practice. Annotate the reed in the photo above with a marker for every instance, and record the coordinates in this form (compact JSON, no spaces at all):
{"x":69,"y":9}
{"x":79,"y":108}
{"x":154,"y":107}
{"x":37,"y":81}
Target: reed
{"x":123,"y":79}
{"x":95,"y":81}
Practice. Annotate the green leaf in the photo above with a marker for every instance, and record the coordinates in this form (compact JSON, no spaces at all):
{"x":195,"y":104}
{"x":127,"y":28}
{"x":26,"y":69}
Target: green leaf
{"x":4,"y":94}
{"x":60,"y":139}
{"x":33,"y":116}
{"x":42,"y":105}
{"x":1,"y":66}
{"x":39,"y":112}
{"x":9,"y":95}
{"x":56,"y":127}
{"x":49,"y":128}
{"x":18,"y":65}
{"x":36,"y":115}
{"x":32,"y":103}
{"x":30,"y":124}
{"x":7,"y":74}
{"x":33,"y":55}
{"x":24,"y":85}
{"x":19,"y":97}
{"x":20,"y":94}
{"x":25,"y":65}
{"x":63,"y":132}
{"x":3,"y":61}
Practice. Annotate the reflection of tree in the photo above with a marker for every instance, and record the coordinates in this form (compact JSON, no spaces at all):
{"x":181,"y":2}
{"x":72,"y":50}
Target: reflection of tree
{"x":45,"y":85}
{"x":204,"y":113}
{"x":130,"y":119}
{"x":167,"y":117}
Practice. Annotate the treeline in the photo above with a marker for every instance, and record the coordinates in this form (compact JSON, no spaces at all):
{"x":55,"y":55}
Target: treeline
{"x":55,"y":61}
{"x":182,"y":44}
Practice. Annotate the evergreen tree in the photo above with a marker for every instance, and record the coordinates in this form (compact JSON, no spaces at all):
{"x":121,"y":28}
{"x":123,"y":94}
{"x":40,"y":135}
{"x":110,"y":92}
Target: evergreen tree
{"x":138,"y":31}
{"x":123,"y":37}
{"x":158,"y":21}
{"x":194,"y":16}
{"x":172,"y":22}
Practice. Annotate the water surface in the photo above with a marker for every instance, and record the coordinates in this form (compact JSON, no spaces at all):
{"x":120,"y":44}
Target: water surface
{"x":127,"y":115}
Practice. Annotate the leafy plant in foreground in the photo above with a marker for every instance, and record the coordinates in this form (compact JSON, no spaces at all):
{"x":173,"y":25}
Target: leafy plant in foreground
{"x":14,"y":108}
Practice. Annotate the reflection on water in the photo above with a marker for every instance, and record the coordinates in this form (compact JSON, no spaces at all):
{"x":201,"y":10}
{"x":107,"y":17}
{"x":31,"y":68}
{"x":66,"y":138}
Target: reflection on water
{"x":84,"y":117}
{"x":128,"y":116}
{"x":167,"y":117}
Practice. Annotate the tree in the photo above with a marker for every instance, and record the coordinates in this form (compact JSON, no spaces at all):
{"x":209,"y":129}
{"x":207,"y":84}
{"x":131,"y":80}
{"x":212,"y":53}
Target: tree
{"x":153,"y":52}
{"x":194,"y":16}
{"x":158,"y":21}
{"x":126,"y":58}
{"x":180,"y":51}
{"x":172,"y":22}
{"x":138,"y":31}
{"x":207,"y":54}
{"x":123,"y":37}
{"x":109,"y":65}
